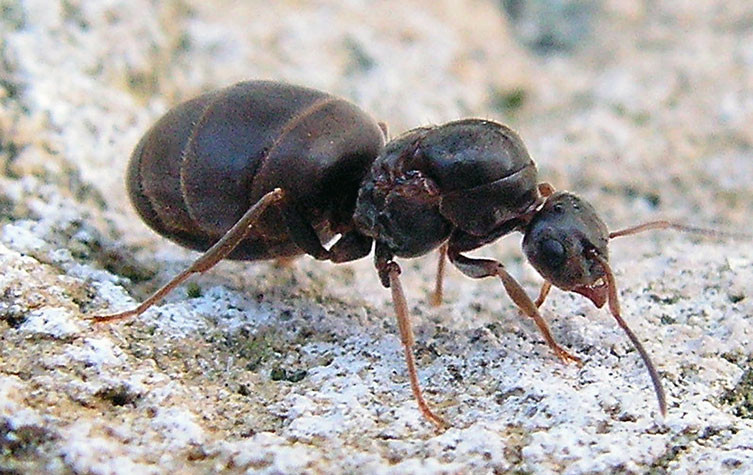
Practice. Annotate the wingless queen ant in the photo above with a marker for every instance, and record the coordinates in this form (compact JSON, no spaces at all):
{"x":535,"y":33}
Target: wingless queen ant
{"x":265,"y":170}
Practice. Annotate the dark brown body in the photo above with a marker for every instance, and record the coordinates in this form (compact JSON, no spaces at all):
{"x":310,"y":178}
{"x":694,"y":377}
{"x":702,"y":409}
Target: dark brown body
{"x":264,"y":169}
{"x":204,"y":163}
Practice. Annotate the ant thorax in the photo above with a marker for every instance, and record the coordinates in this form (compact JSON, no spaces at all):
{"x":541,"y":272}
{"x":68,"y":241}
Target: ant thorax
{"x":473,"y":175}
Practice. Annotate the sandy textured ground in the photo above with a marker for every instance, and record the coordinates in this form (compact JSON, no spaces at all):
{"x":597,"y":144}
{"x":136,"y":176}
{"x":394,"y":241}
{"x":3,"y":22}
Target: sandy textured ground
{"x":646,"y":110}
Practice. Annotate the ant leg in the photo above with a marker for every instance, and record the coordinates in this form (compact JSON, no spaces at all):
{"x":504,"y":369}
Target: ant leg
{"x":351,"y":246}
{"x":385,"y":130}
{"x":436,"y":298}
{"x":302,"y":233}
{"x":480,"y":268}
{"x":389,"y":270}
{"x":546,"y":189}
{"x":285,"y":262}
{"x":543,"y":293}
{"x":214,"y":254}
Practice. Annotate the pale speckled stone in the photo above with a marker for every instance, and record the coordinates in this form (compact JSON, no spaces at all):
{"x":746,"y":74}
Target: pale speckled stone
{"x":53,"y":322}
{"x":650,"y":116}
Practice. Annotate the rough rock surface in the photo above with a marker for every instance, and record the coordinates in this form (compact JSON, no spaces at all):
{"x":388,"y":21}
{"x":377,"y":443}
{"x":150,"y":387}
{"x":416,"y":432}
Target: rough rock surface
{"x":645,"y":108}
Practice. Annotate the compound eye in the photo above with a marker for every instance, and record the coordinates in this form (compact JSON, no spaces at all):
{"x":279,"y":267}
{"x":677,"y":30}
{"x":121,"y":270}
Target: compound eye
{"x":552,"y":253}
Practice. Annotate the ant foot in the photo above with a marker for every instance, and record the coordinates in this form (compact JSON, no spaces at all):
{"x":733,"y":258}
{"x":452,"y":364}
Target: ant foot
{"x":113,"y":317}
{"x":565,"y":356}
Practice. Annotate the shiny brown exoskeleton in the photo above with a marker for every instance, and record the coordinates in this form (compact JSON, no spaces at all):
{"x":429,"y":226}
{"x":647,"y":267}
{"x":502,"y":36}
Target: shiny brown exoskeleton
{"x":264,"y":170}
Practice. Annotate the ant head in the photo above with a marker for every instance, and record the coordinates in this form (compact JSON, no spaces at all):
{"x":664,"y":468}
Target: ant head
{"x":561,"y":241}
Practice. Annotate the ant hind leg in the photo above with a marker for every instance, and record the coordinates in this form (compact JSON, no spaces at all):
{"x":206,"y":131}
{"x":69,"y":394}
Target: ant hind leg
{"x":389,"y":272}
{"x":206,"y":261}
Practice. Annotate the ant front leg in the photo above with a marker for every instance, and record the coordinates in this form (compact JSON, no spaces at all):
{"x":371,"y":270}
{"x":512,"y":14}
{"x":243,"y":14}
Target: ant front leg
{"x":206,"y":261}
{"x":389,"y":272}
{"x":543,"y":293}
{"x":481,"y":268}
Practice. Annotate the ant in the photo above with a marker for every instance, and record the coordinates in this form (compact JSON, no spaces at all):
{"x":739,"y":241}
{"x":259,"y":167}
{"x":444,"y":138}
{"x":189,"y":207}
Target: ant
{"x":268,"y":170}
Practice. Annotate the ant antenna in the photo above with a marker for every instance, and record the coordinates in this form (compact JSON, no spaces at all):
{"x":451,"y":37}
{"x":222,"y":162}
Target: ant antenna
{"x":614,"y":308}
{"x":662,"y":224}
{"x":614,"y":304}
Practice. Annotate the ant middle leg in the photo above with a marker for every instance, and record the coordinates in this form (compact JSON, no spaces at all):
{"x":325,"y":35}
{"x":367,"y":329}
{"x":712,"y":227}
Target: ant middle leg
{"x":389,"y":272}
{"x":436,"y":297}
